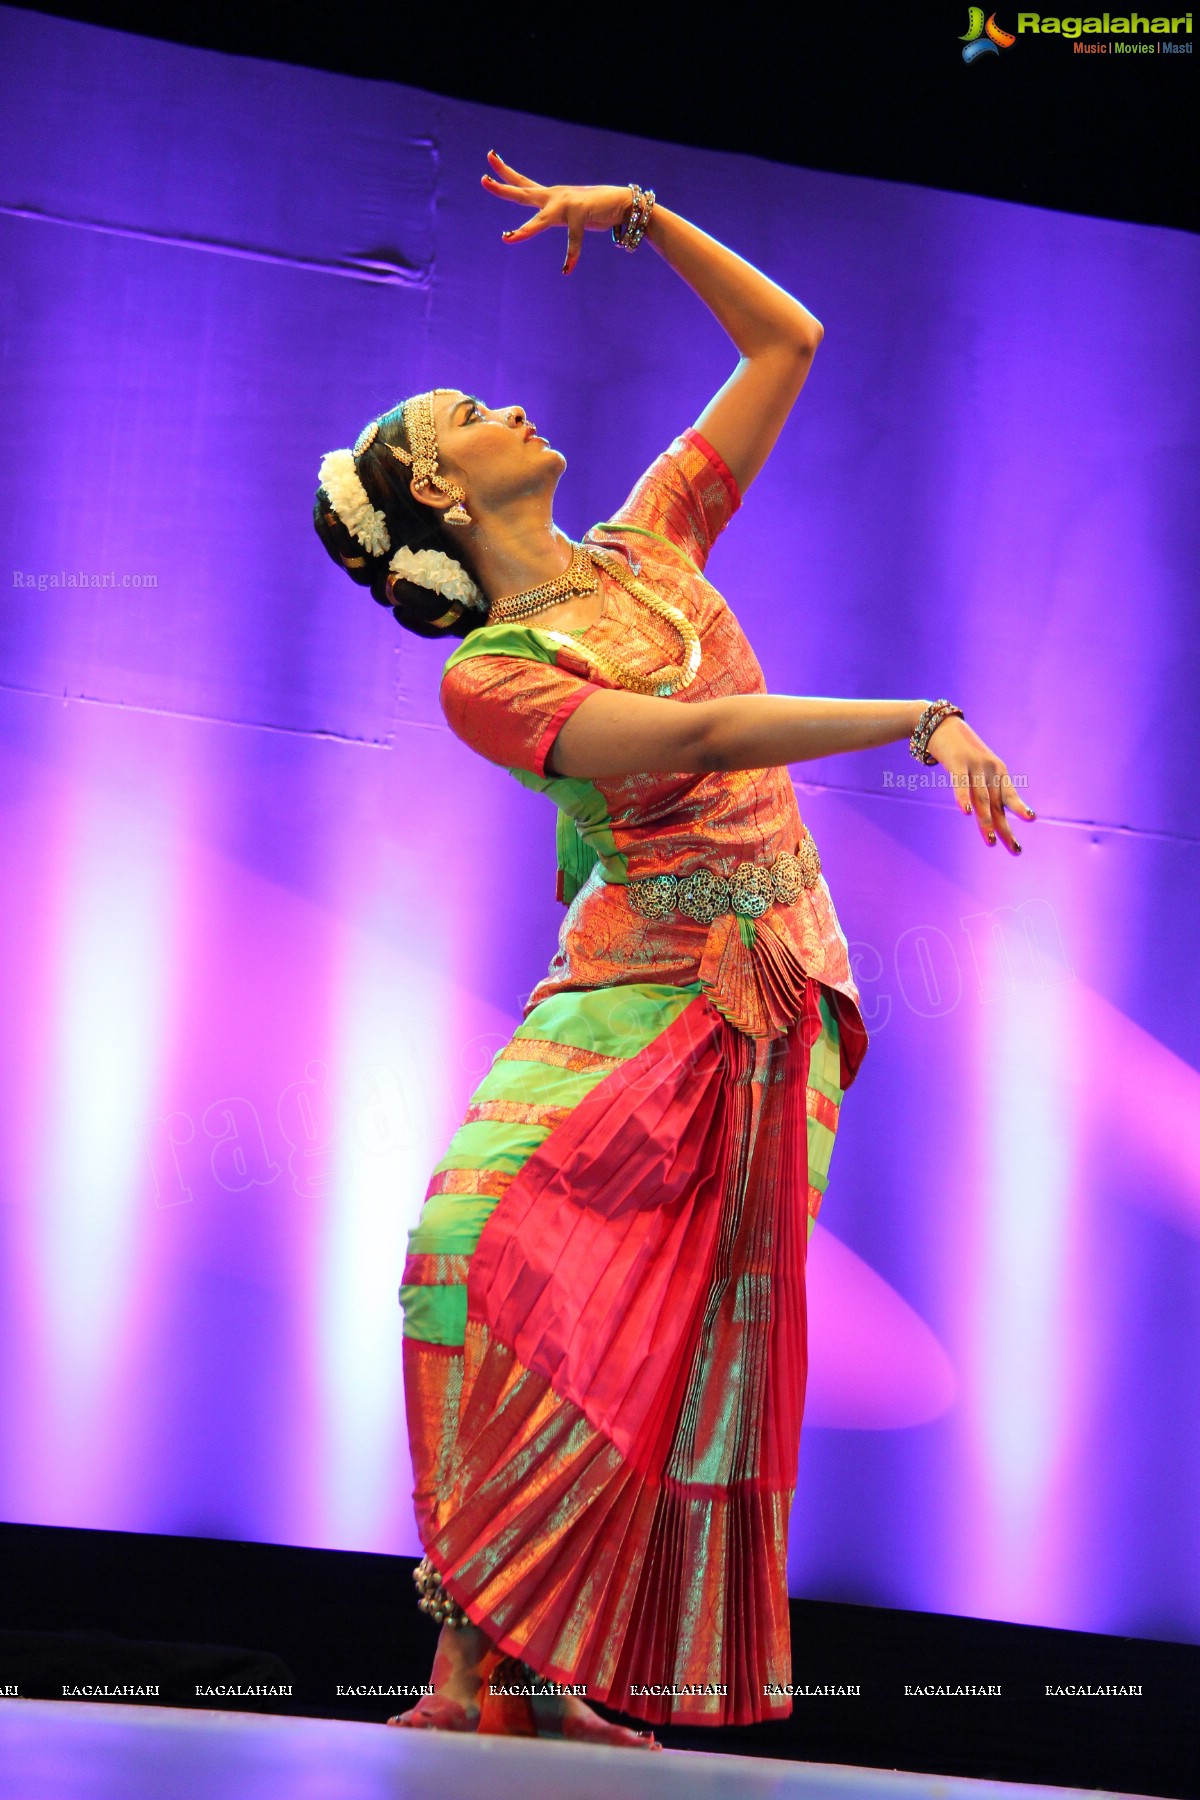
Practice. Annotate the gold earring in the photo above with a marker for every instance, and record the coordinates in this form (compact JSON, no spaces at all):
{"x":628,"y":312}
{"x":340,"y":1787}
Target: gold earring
{"x":457,"y":514}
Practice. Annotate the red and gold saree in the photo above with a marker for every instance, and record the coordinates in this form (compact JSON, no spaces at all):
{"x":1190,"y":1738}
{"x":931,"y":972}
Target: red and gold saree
{"x":605,"y":1346}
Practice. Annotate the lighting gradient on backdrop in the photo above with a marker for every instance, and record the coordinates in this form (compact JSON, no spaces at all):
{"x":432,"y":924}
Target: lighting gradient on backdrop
{"x":265,"y":921}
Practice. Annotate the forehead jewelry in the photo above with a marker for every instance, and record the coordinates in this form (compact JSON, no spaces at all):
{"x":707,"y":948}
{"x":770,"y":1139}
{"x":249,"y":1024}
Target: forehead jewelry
{"x":421,"y":433}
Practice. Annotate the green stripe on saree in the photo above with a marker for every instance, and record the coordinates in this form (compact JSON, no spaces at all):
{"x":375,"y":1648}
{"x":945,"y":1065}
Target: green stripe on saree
{"x":566,"y":1046}
{"x":555,"y":1059}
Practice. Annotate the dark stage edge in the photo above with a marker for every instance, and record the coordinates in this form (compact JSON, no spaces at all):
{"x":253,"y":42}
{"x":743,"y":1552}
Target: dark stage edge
{"x":197,"y":1618}
{"x":62,"y":1750}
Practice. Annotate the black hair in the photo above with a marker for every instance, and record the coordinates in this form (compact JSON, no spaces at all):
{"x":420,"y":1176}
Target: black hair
{"x":387,"y":482}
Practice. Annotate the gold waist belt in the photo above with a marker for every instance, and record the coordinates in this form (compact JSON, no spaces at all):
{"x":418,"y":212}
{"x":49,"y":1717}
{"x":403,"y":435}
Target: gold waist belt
{"x":705,"y":896}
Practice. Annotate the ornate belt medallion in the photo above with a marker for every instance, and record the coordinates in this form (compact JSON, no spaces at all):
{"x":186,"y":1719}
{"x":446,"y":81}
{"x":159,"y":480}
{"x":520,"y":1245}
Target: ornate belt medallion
{"x":705,"y":896}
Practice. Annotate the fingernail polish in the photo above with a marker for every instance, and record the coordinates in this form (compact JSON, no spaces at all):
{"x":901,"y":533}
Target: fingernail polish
{"x":507,"y":234}
{"x":1016,"y":847}
{"x":991,"y":837}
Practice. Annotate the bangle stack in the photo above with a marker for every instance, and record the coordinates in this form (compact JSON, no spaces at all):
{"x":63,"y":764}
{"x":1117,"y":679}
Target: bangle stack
{"x":927,"y":724}
{"x":630,"y":232}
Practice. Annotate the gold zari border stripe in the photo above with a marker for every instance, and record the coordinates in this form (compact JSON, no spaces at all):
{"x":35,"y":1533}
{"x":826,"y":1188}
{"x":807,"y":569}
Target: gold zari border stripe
{"x":560,"y":1056}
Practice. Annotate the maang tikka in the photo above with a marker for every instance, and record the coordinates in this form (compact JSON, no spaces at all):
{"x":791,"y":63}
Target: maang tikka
{"x":421,"y":433}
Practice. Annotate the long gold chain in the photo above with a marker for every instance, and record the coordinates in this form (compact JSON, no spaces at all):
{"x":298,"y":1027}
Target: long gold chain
{"x":580,"y":578}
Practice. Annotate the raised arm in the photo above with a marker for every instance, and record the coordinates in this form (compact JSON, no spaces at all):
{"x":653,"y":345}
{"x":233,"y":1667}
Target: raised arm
{"x":776,"y":337}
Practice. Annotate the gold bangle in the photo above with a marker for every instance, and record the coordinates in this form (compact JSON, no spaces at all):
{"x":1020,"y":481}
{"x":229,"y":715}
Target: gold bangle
{"x":927,"y":724}
{"x":630,"y":232}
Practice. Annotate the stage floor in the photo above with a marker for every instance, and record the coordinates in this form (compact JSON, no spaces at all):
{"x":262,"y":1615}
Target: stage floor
{"x":70,"y":1750}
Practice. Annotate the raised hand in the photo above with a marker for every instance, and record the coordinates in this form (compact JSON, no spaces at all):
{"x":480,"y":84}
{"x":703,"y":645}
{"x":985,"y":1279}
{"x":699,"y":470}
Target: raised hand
{"x":982,"y":784}
{"x":580,"y":209}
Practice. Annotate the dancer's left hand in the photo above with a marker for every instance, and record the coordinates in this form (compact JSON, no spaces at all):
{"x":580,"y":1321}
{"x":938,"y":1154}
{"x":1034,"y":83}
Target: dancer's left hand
{"x":580,"y":209}
{"x":982,"y":785}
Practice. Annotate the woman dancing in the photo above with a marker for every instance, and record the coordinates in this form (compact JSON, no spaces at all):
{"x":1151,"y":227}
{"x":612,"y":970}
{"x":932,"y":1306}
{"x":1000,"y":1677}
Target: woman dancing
{"x":604,"y":1301}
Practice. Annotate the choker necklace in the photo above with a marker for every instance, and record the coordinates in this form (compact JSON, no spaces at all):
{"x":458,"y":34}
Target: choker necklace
{"x":580,"y":577}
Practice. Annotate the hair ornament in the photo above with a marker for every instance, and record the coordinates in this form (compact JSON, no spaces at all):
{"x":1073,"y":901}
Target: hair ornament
{"x":440,"y":573}
{"x":365,"y":438}
{"x":351,"y":502}
{"x":422,"y":459}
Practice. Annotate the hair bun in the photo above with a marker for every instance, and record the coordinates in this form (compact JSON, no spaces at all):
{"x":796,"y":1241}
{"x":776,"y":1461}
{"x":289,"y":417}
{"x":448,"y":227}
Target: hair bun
{"x":424,"y":611}
{"x":385,"y":485}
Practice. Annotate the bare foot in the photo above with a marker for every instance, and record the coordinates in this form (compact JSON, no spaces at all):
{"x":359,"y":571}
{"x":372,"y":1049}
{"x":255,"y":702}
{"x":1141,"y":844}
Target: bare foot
{"x":467,"y":1662}
{"x":461,"y":1665}
{"x":577,"y":1720}
{"x":435,"y":1712}
{"x":570,"y":1716}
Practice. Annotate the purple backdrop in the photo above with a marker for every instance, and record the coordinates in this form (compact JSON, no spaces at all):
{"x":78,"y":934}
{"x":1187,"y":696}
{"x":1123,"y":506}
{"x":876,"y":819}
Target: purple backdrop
{"x":265,"y":920}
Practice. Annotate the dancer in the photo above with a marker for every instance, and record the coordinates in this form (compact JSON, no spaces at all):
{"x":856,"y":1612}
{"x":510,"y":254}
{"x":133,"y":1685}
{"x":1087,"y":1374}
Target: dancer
{"x":604,"y":1301}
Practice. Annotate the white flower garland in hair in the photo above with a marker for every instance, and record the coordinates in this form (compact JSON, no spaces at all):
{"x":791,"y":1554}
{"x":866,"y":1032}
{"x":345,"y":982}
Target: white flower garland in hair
{"x":435,"y":570}
{"x":351,"y":502}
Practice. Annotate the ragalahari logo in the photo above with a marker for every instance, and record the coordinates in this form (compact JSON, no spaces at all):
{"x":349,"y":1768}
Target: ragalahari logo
{"x":983,"y":38}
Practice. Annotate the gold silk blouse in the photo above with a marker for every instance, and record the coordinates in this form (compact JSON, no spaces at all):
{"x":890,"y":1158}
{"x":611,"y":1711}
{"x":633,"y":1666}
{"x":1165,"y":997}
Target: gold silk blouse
{"x":507,"y":691}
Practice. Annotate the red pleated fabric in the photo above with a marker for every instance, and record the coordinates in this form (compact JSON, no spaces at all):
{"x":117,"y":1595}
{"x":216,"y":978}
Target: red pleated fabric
{"x":633,"y":1385}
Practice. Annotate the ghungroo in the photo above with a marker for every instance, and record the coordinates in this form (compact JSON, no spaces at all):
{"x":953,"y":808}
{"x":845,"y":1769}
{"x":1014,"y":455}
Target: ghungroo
{"x":433,"y":1598}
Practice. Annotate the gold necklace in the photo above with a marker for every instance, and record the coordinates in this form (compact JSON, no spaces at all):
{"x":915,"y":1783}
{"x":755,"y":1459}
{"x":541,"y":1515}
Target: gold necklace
{"x":577,"y":578}
{"x":580,"y":578}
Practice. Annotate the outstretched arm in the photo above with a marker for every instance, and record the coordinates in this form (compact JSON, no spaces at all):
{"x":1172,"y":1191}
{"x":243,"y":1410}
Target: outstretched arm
{"x":613,"y":733}
{"x":776,"y":337}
